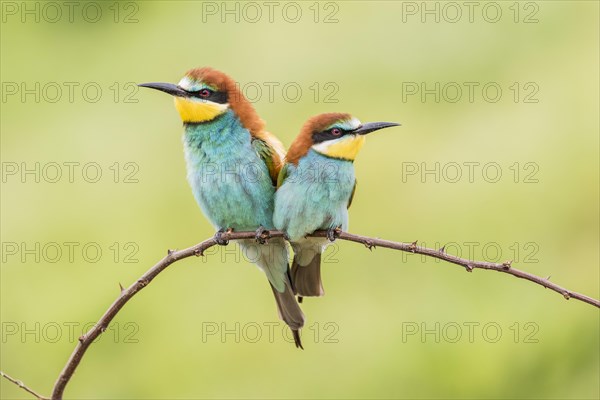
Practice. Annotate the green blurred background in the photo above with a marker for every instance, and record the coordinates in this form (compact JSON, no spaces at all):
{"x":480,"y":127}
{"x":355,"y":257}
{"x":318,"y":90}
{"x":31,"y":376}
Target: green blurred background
{"x":364,"y":339}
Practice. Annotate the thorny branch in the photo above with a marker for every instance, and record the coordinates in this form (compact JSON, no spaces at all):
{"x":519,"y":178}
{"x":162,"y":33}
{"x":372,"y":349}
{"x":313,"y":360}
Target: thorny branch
{"x":197,"y":250}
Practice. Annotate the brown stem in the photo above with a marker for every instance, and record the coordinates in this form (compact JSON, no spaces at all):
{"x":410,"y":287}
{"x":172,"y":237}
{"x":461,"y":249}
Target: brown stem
{"x":23,"y":386}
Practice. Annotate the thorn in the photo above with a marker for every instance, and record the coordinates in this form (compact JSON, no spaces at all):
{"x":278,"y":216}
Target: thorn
{"x":442,"y":249}
{"x":121,"y":287}
{"x":169,"y":252}
{"x":548,"y":277}
{"x":469,"y":268}
{"x":413,"y":246}
{"x":507,"y":264}
{"x":369,"y":245}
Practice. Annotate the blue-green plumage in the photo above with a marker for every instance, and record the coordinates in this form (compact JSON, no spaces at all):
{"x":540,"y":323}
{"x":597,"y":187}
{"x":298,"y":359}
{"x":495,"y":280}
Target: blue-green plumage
{"x":314,"y":195}
{"x":230,"y":181}
{"x":232,"y":186}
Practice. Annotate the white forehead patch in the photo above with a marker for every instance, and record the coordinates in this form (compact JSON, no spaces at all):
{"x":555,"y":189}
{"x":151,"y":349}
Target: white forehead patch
{"x":187,"y":84}
{"x":354,"y":123}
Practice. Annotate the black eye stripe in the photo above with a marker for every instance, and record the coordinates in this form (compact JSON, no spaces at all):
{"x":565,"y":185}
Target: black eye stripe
{"x":215,"y":97}
{"x":323,"y":136}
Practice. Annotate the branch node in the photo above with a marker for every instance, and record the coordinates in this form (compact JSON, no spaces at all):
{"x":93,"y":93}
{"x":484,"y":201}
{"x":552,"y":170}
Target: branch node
{"x":198,"y":252}
{"x":81,"y":338}
{"x":413,"y":246}
{"x":566,"y":295}
{"x":469,"y":267}
{"x":507,"y":264}
{"x":143,"y":282}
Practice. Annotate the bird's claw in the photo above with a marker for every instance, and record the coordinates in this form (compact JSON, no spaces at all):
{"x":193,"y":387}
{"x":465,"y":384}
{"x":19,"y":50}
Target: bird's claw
{"x":262,"y":235}
{"x":333,"y":233}
{"x":219,"y":236}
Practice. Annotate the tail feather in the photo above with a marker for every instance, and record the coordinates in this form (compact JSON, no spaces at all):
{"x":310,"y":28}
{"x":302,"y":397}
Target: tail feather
{"x":273,"y":260}
{"x":307,"y":278}
{"x":289,"y":311}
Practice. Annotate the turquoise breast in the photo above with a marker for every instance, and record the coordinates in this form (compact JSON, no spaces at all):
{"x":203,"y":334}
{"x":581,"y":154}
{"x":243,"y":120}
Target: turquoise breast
{"x":314,"y":196}
{"x":229,"y":180}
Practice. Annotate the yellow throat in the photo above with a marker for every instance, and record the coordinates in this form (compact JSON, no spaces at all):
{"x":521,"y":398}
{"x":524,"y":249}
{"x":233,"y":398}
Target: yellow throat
{"x":346,"y":147}
{"x":198,"y":111}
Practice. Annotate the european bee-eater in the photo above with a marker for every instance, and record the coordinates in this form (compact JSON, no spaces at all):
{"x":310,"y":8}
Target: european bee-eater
{"x":316,"y":186}
{"x":232,"y":167}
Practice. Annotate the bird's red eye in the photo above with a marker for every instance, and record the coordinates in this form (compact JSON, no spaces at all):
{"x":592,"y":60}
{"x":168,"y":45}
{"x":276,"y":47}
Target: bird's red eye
{"x":204,"y":93}
{"x":336,"y":131}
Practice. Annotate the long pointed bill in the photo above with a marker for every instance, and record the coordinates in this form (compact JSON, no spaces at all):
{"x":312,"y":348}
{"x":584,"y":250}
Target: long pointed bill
{"x":373,"y":126}
{"x":169,"y":88}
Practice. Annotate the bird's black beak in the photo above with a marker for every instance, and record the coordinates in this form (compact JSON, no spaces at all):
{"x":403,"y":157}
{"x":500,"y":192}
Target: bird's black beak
{"x":170,"y":88}
{"x":373,"y":126}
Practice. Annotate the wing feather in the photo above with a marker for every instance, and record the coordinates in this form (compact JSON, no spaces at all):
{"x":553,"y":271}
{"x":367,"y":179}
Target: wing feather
{"x":352,"y":195}
{"x":271,"y":151}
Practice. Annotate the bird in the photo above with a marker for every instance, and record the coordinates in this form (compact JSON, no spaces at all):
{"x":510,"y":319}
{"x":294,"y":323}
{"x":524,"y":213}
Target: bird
{"x":316,"y":186}
{"x":232,"y":167}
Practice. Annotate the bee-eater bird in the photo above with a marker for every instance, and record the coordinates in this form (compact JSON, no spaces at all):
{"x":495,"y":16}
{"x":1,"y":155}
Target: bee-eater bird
{"x":315,"y":189}
{"x":232,"y":167}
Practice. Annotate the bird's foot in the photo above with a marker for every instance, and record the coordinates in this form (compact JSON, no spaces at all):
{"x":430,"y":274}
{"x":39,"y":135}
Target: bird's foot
{"x":262,"y":235}
{"x":219,"y":236}
{"x":334,"y":233}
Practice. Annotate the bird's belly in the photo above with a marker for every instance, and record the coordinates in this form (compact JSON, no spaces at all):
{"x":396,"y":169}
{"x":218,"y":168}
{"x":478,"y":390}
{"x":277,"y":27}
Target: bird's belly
{"x":306,"y":207}
{"x":232,"y":197}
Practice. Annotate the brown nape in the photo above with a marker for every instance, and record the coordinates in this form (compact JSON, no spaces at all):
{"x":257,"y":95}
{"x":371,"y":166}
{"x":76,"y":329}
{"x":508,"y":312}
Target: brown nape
{"x":304,"y":141}
{"x":238,"y":103}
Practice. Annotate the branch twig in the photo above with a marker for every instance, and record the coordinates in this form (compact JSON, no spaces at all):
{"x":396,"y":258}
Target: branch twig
{"x":197,"y":250}
{"x":23,"y":386}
